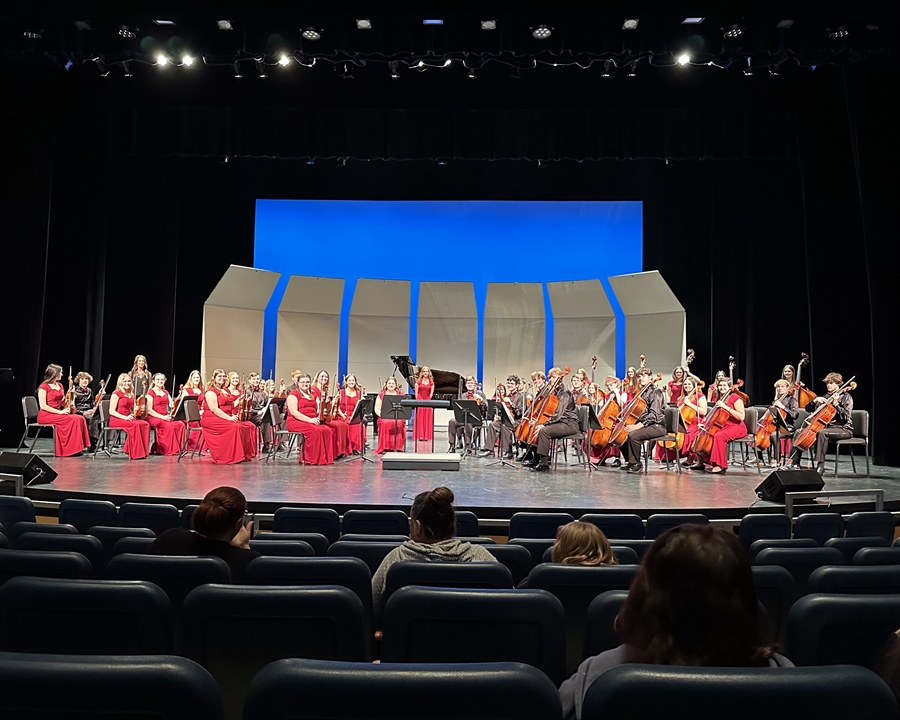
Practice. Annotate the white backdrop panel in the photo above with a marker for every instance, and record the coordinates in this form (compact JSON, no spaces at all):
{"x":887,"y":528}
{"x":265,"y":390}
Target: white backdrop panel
{"x":447,"y":330}
{"x":309,"y":326}
{"x":514,"y":331}
{"x":379,"y":328}
{"x":584,"y":325}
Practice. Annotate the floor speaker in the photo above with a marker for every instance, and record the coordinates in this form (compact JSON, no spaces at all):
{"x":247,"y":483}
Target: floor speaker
{"x":31,"y":467}
{"x":781,"y":481}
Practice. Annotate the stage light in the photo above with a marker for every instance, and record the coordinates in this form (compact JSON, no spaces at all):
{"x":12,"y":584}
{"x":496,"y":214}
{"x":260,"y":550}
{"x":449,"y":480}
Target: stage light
{"x":448,"y":62}
{"x":632,"y":69}
{"x":541,"y":32}
{"x":261,"y":69}
{"x":748,"y":71}
{"x":363,"y":24}
{"x":488,"y":24}
{"x":630,"y":24}
{"x":187,"y":61}
{"x":127,"y":32}
{"x":342,"y":162}
{"x":784,"y":24}
{"x":101,"y":66}
{"x":515,"y":74}
{"x":311,"y":34}
{"x":224,"y":25}
{"x":126,"y":66}
{"x":683,"y":59}
{"x":432,"y":21}
{"x":692,"y":20}
{"x":839,"y":32}
{"x":237,"y":70}
{"x":542,"y":163}
{"x":164,"y":22}
{"x":162,"y":60}
{"x":732,"y":31}
{"x":394,"y":66}
{"x":284,"y":61}
{"x":33,"y":33}
{"x":82,"y":25}
{"x":441,"y":162}
{"x":310,"y":161}
{"x":607,"y":69}
{"x":418,"y":67}
{"x":472,"y":75}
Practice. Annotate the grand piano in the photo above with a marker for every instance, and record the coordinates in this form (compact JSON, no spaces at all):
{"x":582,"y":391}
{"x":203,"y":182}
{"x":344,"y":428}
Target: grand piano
{"x":447,"y":385}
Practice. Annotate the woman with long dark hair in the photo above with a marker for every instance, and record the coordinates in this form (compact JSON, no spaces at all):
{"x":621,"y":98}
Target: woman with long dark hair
{"x":70,"y":431}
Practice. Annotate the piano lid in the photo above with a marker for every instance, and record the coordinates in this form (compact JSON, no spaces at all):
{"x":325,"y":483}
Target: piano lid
{"x":446,"y":383}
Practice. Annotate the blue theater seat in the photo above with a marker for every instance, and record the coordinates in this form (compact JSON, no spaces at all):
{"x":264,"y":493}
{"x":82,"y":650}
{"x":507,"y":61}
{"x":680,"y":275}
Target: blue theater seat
{"x":855,"y":580}
{"x":819,"y":526}
{"x":600,"y":634}
{"x":757,"y":546}
{"x":317,"y":541}
{"x":324,"y":521}
{"x":87,"y":545}
{"x":375,"y":522}
{"x":176,"y":575}
{"x":867,"y":524}
{"x":158,"y":517}
{"x":41,"y":563}
{"x":138,"y":545}
{"x":659,"y":523}
{"x":516,"y":558}
{"x":466,"y":524}
{"x":800,"y":562}
{"x":768,"y":526}
{"x":617,"y":527}
{"x":535,"y":546}
{"x":20,"y":528}
{"x":85,"y":514}
{"x":15,"y":509}
{"x":850,"y":545}
{"x":877,"y":556}
{"x":776,"y":590}
{"x":371,"y":553}
{"x":294,"y":548}
{"x":537,"y":524}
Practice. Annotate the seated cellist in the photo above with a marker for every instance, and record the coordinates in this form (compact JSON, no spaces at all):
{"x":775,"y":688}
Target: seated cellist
{"x":564,"y":422}
{"x":784,"y":400}
{"x":734,"y":428}
{"x":840,"y":428}
{"x":651,"y":423}
{"x":692,"y":399}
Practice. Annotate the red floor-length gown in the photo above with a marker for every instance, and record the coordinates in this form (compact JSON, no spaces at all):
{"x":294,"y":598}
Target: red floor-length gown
{"x":169,"y":433}
{"x":339,"y":431}
{"x":732,"y":430}
{"x":229,"y":441}
{"x":195,"y":437}
{"x":318,"y":440}
{"x":423,"y":428}
{"x":137,"y":444}
{"x":356,"y":434}
{"x":391,"y":433}
{"x":70,"y":432}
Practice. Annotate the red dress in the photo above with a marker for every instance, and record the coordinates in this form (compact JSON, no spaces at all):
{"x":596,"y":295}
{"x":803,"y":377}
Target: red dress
{"x":423,"y":427}
{"x":391,"y":433}
{"x":355,"y":433}
{"x":70,"y":432}
{"x":340,"y":431}
{"x":674,"y":391}
{"x":318,"y":440}
{"x":229,"y":441}
{"x":200,"y":395}
{"x":691,"y":431}
{"x":732,"y":430}
{"x":137,"y":444}
{"x":169,"y":433}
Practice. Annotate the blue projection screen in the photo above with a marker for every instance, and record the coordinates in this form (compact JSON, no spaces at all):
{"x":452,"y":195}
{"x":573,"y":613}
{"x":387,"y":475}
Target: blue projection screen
{"x":438,"y":240}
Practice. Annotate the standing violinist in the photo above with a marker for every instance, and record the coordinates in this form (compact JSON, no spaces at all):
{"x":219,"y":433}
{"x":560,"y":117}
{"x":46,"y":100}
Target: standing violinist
{"x":471,"y":393}
{"x":840,"y":428}
{"x":784,"y":401}
{"x":84,"y":406}
{"x":169,"y":433}
{"x":651,"y":423}
{"x":731,"y":404}
{"x":141,"y":380}
{"x":515,"y":407}
{"x":563,"y":422}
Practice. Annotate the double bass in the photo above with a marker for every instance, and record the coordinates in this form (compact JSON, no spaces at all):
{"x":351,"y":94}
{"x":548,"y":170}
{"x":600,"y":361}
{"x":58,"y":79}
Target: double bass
{"x":715,"y":421}
{"x":632,"y":412}
{"x":804,"y":395}
{"x":823,"y":415}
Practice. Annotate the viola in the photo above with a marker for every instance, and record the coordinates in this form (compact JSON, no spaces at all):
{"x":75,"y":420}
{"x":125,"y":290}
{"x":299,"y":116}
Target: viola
{"x":823,"y":415}
{"x":715,"y":421}
{"x":688,"y":415}
{"x":140,"y":407}
{"x":804,"y":395}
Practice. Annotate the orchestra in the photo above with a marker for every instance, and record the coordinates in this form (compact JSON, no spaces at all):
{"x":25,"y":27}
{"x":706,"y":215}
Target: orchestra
{"x":525,"y":416}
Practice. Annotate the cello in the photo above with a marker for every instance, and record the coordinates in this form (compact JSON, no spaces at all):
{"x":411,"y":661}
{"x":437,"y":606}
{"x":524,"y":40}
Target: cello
{"x":823,"y":415}
{"x":767,"y":425}
{"x":544,"y":409}
{"x":742,"y":395}
{"x":606,"y":417}
{"x":804,"y":395}
{"x":715,"y":421}
{"x":632,"y":412}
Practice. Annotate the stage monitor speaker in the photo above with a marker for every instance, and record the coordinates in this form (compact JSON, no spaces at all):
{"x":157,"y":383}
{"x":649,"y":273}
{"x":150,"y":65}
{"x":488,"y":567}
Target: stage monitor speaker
{"x":34,"y":470}
{"x":779,"y":482}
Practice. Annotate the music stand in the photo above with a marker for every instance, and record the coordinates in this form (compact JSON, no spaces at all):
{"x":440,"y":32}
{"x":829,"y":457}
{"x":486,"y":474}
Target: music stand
{"x":498,"y":408}
{"x":358,"y":417}
{"x":180,"y":412}
{"x":465,"y":412}
{"x":396,"y":412}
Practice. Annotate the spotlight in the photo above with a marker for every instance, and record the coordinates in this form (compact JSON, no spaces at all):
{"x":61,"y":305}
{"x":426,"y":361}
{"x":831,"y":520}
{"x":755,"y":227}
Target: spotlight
{"x":784,"y":24}
{"x":692,"y":20}
{"x":488,"y":24}
{"x":101,"y":66}
{"x":394,"y":65}
{"x":420,"y":66}
{"x":311,"y":34}
{"x":363,"y":24}
{"x":82,"y":25}
{"x":126,"y":66}
{"x":607,"y":69}
{"x":261,"y":69}
{"x":839,"y":32}
{"x":164,"y":22}
{"x":541,"y":32}
{"x":630,"y":24}
{"x":127,"y":32}
{"x":683,"y":59}
{"x":748,"y":71}
{"x":162,"y":60}
{"x":441,"y":162}
{"x":237,"y":70}
{"x":632,"y":69}
{"x":448,"y":62}
{"x":472,"y":75}
{"x":187,"y":61}
{"x":224,"y":25}
{"x":34,"y":33}
{"x":284,"y":61}
{"x":310,"y":161}
{"x":732,"y":31}
{"x":542,"y":163}
{"x":432,"y":21}
{"x":515,"y":74}
{"x":342,"y":162}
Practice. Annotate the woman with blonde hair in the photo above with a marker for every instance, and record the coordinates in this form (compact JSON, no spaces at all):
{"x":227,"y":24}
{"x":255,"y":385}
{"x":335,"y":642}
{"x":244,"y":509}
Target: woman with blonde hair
{"x":169,"y":432}
{"x":194,"y":388}
{"x":391,"y":433}
{"x":229,"y":440}
{"x":582,"y":543}
{"x":121,"y":417}
{"x":339,"y":428}
{"x":349,"y":397}
{"x":424,"y":420}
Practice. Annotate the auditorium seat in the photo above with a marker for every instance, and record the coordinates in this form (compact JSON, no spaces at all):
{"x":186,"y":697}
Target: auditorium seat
{"x":842,"y":629}
{"x":625,"y":555}
{"x":868,"y":524}
{"x":657,"y":524}
{"x":769,"y":526}
{"x":131,"y":544}
{"x":467,"y":524}
{"x":272,"y":623}
{"x":109,"y":536}
{"x":324,"y":521}
{"x":537,"y":524}
{"x":39,"y":563}
{"x":85,"y":514}
{"x":639,"y":546}
{"x":14,"y":509}
{"x":97,"y":617}
{"x":186,"y":520}
{"x":776,"y":590}
{"x":819,"y":526}
{"x":516,"y":559}
{"x":370,"y":553}
{"x":535,"y":546}
{"x":294,"y":548}
{"x":617,"y":527}
{"x":688,"y":693}
{"x":100,"y":686}
{"x":375,"y":522}
{"x":176,"y":575}
{"x":314,"y":689}
{"x":158,"y":517}
{"x":877,"y":556}
{"x":849,"y":545}
{"x":366,"y":537}
{"x":475,"y":540}
{"x":87,"y":545}
{"x":855,"y":580}
{"x":34,"y":527}
{"x":799,"y":562}
{"x":576,"y":586}
{"x":318,"y":541}
{"x":4,"y":541}
{"x":599,"y":630}
{"x":424,"y":624}
{"x":758,"y":546}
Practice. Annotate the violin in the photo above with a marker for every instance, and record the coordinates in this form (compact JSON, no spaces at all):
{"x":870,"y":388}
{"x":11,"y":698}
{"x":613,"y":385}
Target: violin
{"x":715,"y":421}
{"x":823,"y":415}
{"x":282,"y":389}
{"x":244,"y":403}
{"x":632,"y":412}
{"x":140,"y":407}
{"x":69,"y":401}
{"x":804,"y":395}
{"x":742,"y":395}
{"x":177,"y":400}
{"x":99,"y":396}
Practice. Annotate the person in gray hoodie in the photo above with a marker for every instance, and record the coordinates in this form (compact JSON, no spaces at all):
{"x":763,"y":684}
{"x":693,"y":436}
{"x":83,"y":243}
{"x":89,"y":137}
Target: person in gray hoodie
{"x":432,"y":526}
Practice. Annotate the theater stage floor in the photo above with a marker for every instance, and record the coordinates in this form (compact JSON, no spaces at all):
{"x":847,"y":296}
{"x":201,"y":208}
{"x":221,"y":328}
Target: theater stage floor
{"x":492,"y":492}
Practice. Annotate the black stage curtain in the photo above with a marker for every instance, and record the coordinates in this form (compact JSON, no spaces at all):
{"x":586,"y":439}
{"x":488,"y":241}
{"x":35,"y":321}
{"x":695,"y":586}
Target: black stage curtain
{"x":775,"y":223}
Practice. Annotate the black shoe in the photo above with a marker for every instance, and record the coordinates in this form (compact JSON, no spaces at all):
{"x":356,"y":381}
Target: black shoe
{"x":635,"y":468}
{"x":531,"y":462}
{"x":265,"y":448}
{"x":624,"y":466}
{"x":485,"y":453}
{"x":452,"y":449}
{"x":508,"y":456}
{"x":542,"y":467}
{"x":820,"y":468}
{"x":616,"y":462}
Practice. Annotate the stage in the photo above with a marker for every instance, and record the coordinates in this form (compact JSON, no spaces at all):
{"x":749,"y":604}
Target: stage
{"x":493,"y":492}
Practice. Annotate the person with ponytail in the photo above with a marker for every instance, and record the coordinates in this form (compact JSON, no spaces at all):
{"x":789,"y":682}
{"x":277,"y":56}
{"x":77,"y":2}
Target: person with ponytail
{"x":432,"y":530}
{"x":219,"y":530}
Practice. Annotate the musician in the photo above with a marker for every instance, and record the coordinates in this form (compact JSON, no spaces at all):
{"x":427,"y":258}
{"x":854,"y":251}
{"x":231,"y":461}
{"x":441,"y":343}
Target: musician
{"x":229,"y":440}
{"x":303,"y":417}
{"x":840,"y":428}
{"x":734,"y":428}
{"x":169,"y":433}
{"x":787,"y":373}
{"x":615,"y":393}
{"x":70,"y":432}
{"x":350,"y":395}
{"x":121,"y":417}
{"x":194,"y":388}
{"x":84,"y":406}
{"x":784,"y":400}
{"x":471,"y":393}
{"x":295,"y":375}
{"x":580,"y":390}
{"x":614,"y":386}
{"x":692,"y":399}
{"x":141,"y":379}
{"x":712,"y":392}
{"x":339,"y":427}
{"x":651,"y":423}
{"x":514,"y":400}
{"x":259,"y":407}
{"x":630,"y":384}
{"x":675,"y":385}
{"x":391,"y":433}
{"x":424,"y":420}
{"x":538,"y":380}
{"x":564,"y":422}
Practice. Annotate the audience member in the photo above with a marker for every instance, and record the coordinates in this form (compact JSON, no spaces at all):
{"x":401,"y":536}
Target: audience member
{"x":581,"y":543}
